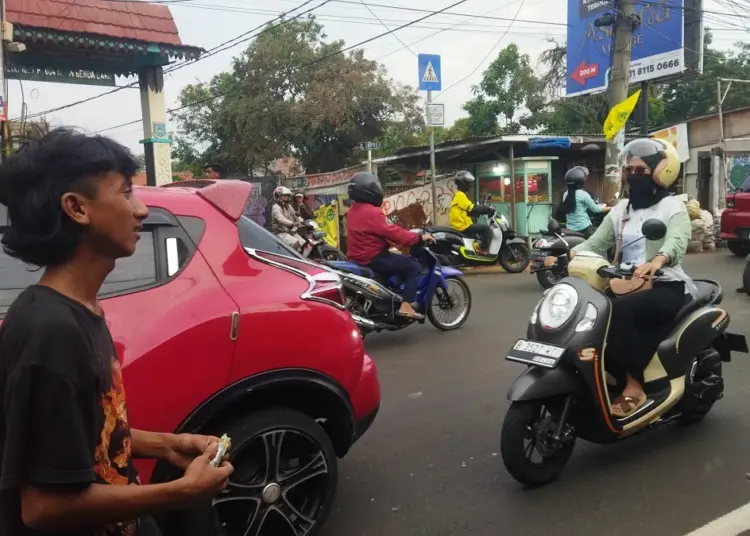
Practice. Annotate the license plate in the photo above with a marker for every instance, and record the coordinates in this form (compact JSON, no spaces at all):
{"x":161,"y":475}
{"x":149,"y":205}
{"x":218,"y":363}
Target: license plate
{"x":538,"y":255}
{"x":536,"y":353}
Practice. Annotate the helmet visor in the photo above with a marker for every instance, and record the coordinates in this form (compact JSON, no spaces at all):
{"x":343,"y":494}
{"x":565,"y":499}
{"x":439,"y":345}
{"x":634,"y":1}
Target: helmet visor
{"x":641,"y":157}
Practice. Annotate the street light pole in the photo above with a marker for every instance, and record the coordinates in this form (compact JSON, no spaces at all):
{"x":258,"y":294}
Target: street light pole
{"x":432,"y":166}
{"x":622,"y":41}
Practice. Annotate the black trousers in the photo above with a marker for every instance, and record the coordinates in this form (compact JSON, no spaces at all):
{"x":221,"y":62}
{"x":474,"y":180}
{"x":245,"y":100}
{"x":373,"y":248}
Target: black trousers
{"x":483,"y":230}
{"x":405,"y":268}
{"x":640,"y":321}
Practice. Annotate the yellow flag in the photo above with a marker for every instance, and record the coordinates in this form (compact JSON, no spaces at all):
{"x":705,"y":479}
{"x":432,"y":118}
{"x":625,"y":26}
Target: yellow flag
{"x":327,"y":218}
{"x":619,"y":114}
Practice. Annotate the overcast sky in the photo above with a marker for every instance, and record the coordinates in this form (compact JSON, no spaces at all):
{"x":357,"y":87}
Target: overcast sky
{"x":463,"y":48}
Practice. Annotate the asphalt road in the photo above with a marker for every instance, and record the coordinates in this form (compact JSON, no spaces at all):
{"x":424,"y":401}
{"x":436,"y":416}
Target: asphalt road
{"x":430,"y":465}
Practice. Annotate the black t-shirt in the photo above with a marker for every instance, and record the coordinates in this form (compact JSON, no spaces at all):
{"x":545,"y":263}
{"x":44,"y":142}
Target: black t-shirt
{"x":63,"y":419}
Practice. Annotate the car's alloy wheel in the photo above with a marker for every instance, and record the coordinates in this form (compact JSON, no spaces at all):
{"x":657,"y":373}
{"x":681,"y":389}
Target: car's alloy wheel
{"x":284,"y":480}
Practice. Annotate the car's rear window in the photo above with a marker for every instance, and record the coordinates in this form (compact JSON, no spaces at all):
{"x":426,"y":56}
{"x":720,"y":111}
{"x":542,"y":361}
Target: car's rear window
{"x":254,"y":236}
{"x":136,"y":271}
{"x":744,"y":185}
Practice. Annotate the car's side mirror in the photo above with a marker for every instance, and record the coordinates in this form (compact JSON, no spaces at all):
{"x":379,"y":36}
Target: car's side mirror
{"x":554,"y":226}
{"x":654,"y":229}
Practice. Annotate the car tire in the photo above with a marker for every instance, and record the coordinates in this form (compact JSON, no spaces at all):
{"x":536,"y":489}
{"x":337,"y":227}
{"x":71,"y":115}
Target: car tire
{"x":738,"y":247}
{"x":303,"y":494}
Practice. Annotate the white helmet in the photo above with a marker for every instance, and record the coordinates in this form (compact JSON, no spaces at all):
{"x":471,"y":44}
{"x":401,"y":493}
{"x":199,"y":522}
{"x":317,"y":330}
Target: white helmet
{"x":280,"y":191}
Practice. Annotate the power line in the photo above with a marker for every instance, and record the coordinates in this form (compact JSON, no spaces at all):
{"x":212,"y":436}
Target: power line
{"x":314,"y":62}
{"x":386,"y":27}
{"x":242,"y":38}
{"x":483,"y":59}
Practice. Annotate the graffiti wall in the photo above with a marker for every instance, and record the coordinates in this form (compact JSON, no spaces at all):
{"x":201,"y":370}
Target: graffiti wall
{"x":260,"y":196}
{"x":738,"y":168}
{"x":412,"y":208}
{"x":323,"y":180}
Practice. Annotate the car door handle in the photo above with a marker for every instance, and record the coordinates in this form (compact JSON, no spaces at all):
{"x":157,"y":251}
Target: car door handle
{"x":234,"y":329}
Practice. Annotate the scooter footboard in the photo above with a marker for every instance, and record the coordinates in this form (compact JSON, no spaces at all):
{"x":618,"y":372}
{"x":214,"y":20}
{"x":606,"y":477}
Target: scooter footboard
{"x":537,"y":383}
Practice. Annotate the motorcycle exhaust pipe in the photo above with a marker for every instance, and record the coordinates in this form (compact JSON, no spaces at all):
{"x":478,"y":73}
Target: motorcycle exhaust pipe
{"x":364,"y":322}
{"x":369,"y":325}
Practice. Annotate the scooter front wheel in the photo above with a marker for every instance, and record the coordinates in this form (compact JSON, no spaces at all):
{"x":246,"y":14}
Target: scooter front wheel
{"x":548,"y":278}
{"x":529,"y":429}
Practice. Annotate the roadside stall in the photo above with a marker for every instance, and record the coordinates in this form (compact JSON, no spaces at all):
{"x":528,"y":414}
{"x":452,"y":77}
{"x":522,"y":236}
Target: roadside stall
{"x":530,"y":193}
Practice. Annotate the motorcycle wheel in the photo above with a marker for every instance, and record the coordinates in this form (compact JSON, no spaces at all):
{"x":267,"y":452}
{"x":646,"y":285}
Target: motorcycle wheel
{"x":526,"y":421}
{"x":457,"y":288}
{"x":514,"y":258}
{"x":330,"y":253}
{"x":548,"y":278}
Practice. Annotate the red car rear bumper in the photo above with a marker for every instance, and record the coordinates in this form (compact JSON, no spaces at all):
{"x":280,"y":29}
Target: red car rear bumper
{"x":366,"y":398}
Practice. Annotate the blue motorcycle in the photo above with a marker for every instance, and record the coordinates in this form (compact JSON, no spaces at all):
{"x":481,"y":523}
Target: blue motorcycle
{"x":373,"y":300}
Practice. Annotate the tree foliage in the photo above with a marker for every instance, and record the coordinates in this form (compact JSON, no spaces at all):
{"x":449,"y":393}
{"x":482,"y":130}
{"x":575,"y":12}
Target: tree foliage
{"x":509,"y":98}
{"x":290,"y":94}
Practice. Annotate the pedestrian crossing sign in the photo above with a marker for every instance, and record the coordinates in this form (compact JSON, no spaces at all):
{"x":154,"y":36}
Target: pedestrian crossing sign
{"x":430,"y":78}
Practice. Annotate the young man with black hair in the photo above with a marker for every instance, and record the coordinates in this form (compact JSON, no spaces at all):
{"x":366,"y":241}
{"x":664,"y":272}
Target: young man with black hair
{"x":66,"y":447}
{"x":213,"y":171}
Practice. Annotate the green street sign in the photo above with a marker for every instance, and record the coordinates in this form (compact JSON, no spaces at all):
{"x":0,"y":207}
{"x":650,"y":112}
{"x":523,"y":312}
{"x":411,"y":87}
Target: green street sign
{"x":60,"y":76}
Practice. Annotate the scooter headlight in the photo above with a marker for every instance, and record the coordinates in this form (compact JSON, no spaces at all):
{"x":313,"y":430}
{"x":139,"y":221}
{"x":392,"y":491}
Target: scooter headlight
{"x":541,"y":243}
{"x":558,"y":306}
{"x":589,"y":319}
{"x":535,"y":313}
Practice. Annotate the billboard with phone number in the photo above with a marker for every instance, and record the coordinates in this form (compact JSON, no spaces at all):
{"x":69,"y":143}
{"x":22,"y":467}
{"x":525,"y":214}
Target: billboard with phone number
{"x":657,"y":44}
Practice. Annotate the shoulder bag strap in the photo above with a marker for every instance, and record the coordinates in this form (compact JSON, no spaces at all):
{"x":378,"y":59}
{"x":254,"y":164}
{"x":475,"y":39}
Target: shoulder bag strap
{"x":618,"y":244}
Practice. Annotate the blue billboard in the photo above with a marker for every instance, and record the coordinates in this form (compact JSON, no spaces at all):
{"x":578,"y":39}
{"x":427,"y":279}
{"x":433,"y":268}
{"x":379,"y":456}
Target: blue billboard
{"x":657,"y":44}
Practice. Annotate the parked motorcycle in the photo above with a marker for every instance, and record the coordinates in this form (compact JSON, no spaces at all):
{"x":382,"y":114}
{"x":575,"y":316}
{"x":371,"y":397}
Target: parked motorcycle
{"x":316,"y":248}
{"x":556,"y":242}
{"x":373,"y":300}
{"x":459,"y":249}
{"x":565,"y":392}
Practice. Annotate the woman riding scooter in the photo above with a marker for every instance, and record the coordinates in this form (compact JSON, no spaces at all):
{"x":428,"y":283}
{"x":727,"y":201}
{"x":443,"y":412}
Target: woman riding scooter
{"x":640,"y":319}
{"x":462,"y":210}
{"x":577,"y":202}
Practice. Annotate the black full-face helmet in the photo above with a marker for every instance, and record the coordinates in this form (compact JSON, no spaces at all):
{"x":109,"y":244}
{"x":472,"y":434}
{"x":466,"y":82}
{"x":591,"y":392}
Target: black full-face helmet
{"x":576,"y":176}
{"x":464,"y":181}
{"x":364,"y":187}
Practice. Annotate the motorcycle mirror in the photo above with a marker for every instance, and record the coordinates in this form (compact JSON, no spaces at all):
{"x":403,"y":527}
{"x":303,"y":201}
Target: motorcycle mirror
{"x":554,"y":226}
{"x":654,"y":229}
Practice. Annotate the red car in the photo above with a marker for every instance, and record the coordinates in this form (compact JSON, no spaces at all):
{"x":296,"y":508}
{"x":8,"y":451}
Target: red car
{"x":223,"y":329}
{"x":735,"y":220}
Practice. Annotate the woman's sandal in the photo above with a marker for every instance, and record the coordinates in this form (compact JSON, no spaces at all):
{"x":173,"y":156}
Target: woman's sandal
{"x":628,"y":405}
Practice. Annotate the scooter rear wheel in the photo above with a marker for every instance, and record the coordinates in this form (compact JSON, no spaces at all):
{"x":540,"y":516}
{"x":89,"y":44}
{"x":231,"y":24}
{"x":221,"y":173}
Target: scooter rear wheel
{"x":524,"y":422}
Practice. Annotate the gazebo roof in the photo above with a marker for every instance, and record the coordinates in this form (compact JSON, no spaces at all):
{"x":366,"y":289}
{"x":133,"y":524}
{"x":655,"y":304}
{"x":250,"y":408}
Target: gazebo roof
{"x":140,"y":21}
{"x":107,"y":36}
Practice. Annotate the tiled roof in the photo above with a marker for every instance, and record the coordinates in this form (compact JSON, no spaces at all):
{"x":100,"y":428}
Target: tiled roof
{"x":141,"y":21}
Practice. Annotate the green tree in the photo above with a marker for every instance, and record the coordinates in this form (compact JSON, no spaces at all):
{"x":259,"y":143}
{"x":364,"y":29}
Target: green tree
{"x":695,"y":96}
{"x":290,"y":94}
{"x":509,"y":98}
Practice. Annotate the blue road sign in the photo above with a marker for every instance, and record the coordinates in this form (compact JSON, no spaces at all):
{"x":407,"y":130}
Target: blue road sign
{"x":657,"y":45}
{"x":430,"y":77}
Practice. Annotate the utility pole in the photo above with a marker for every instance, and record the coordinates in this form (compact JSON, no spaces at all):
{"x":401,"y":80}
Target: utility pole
{"x":432,"y":164}
{"x":644,"y":108}
{"x":719,"y":189}
{"x":622,"y":38}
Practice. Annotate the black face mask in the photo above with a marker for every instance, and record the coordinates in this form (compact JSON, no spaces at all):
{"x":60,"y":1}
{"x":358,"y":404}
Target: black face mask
{"x":644,"y":192}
